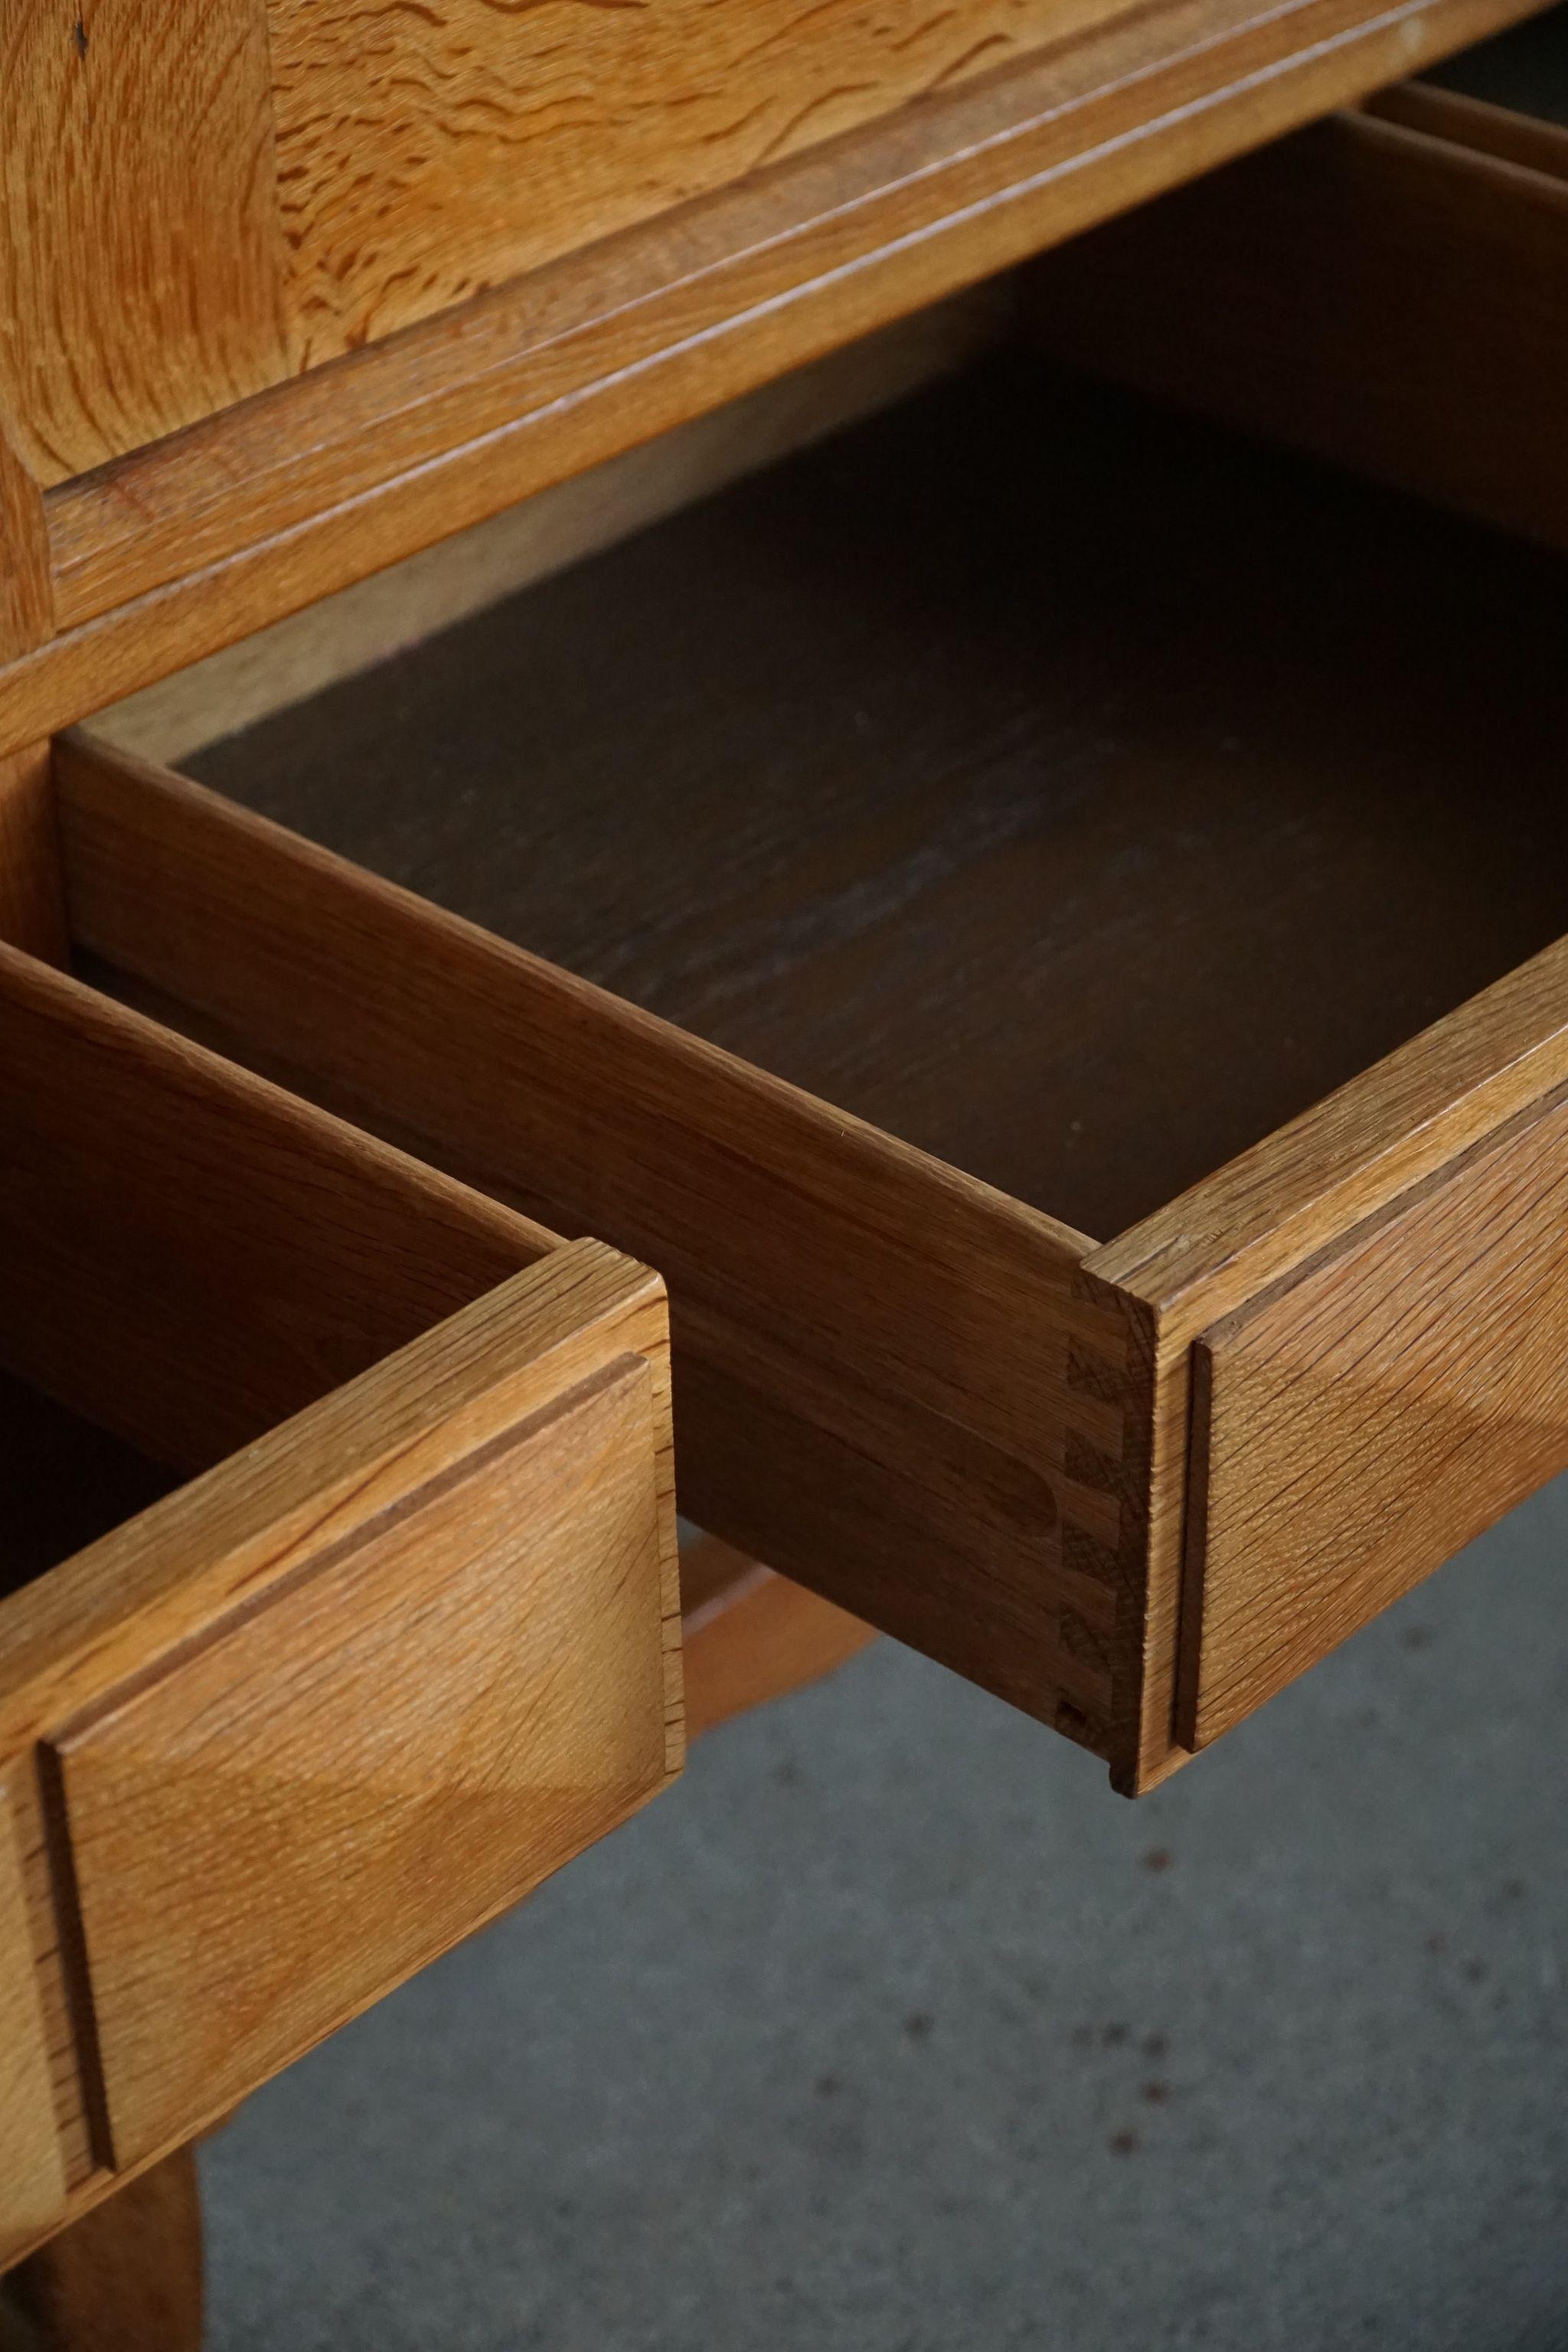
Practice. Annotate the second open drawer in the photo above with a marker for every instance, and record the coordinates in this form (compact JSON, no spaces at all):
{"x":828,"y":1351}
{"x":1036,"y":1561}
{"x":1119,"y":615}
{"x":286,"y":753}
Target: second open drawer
{"x":1095,"y":815}
{"x":407,"y":1642}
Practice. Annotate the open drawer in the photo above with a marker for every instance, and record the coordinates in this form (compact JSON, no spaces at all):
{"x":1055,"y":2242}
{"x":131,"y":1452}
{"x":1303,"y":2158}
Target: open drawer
{"x":1386,"y":288}
{"x":409,"y":1641}
{"x":1028,"y":817}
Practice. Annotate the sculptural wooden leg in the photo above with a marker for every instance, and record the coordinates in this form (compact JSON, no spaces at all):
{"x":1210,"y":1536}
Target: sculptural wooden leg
{"x":126,"y":2277}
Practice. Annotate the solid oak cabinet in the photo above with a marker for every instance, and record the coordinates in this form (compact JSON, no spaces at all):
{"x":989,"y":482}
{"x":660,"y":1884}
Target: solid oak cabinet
{"x":1040,"y":917}
{"x":407,"y":1643}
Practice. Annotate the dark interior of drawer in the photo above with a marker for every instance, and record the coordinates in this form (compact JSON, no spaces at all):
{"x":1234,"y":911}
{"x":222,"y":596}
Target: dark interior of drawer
{"x":64,"y":1482}
{"x":1525,"y":68}
{"x":1073,"y":789}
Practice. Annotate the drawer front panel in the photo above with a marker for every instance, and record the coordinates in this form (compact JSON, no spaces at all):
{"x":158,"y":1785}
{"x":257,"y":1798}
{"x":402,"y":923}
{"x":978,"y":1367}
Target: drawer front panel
{"x":1359,"y":1424}
{"x":423,"y":1719}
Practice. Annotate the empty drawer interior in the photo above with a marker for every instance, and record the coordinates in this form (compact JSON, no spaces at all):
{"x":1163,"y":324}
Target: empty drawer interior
{"x":1072,"y":789}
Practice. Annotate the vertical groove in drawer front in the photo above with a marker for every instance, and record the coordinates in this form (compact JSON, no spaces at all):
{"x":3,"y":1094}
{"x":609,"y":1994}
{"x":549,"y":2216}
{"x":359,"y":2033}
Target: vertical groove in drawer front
{"x":891,"y":1370}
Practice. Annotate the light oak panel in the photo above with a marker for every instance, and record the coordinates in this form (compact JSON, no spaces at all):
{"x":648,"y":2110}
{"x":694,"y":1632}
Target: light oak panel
{"x":1354,"y":1429}
{"x":231,"y":1262}
{"x":320,"y":482}
{"x":1372,"y":292}
{"x":1239,"y":1238}
{"x":32,"y":2170}
{"x":140,"y":252}
{"x":440,"y":1676}
{"x":426,"y":153}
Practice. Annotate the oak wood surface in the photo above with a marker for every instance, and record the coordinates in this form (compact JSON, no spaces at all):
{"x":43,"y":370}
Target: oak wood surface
{"x":127,"y":2276}
{"x":32,"y":2167}
{"x":191,"y":1256}
{"x":1370,"y":290}
{"x":140,"y":244}
{"x":105,"y":1658}
{"x":425,"y":155}
{"x":169,"y":554}
{"x":431,"y":1671}
{"x":1355,"y":1427}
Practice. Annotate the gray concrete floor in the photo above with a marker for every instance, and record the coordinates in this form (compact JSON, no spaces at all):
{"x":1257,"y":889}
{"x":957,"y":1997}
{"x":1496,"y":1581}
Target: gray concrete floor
{"x":891,"y":2030}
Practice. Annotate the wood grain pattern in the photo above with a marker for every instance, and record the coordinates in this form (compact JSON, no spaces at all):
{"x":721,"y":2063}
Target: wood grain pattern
{"x":1229,"y":1241}
{"x":1074,"y":684}
{"x":32,"y":901}
{"x":883,"y":1362}
{"x":26,"y":578}
{"x":1311,"y":292}
{"x":750,"y":1636}
{"x":426,"y":154}
{"x":441,"y":1675}
{"x":127,"y":2276}
{"x":32,"y":2172}
{"x":316,"y":484}
{"x":166,"y":1589}
{"x":229,"y":1257}
{"x":139,"y":255}
{"x":1360,"y":1425}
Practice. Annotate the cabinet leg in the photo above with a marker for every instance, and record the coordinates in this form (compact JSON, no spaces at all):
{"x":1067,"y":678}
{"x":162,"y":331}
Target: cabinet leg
{"x":126,"y":2277}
